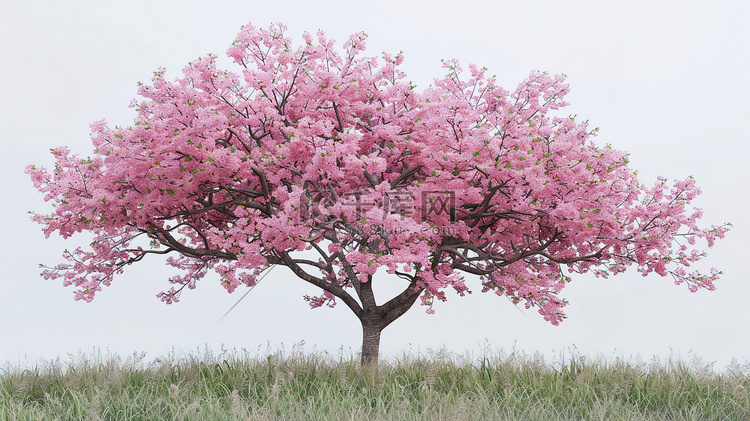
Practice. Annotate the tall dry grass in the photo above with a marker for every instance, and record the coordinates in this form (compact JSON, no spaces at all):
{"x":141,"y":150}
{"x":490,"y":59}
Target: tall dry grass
{"x":319,"y":386}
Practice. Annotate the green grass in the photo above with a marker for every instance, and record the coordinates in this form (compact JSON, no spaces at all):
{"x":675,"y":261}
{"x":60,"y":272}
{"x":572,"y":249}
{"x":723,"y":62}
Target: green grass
{"x":319,"y":386}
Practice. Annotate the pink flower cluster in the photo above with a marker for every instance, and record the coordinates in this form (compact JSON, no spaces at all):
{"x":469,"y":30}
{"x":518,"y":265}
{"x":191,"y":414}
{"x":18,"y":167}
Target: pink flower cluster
{"x":233,"y":171}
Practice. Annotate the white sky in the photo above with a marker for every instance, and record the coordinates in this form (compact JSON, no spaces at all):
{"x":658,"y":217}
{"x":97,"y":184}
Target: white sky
{"x":665,"y":80}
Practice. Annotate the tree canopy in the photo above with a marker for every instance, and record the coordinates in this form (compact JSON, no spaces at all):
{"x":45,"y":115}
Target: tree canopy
{"x":308,"y":150}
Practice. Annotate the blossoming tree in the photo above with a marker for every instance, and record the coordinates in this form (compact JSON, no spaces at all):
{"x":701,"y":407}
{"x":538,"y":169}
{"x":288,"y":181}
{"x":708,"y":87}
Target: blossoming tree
{"x":306,"y":151}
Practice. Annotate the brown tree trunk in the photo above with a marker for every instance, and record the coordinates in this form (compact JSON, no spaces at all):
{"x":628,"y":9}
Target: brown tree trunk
{"x":372,"y":325}
{"x":375,"y":318}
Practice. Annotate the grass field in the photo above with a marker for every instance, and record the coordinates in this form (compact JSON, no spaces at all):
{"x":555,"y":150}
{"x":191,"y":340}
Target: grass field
{"x":320,"y":386}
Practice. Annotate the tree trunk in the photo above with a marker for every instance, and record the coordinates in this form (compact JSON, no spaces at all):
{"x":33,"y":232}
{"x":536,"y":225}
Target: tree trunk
{"x":375,"y":318}
{"x":372,"y":325}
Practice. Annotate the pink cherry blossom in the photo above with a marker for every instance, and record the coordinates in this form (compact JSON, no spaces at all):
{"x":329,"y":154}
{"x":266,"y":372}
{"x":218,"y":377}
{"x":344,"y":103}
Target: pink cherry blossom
{"x":305,"y":149}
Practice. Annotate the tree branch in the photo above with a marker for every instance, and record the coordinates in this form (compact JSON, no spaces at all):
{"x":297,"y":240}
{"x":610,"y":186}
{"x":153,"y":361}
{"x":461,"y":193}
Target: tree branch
{"x":334,"y":289}
{"x":187,"y":251}
{"x":400,"y":304}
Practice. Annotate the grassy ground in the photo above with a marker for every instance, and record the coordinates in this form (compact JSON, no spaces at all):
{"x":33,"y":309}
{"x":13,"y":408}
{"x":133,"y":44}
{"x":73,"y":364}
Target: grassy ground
{"x":322,"y":387}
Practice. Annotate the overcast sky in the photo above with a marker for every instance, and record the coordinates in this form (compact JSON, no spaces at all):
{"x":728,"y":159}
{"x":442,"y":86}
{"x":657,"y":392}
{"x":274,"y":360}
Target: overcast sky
{"x":664,"y":80}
